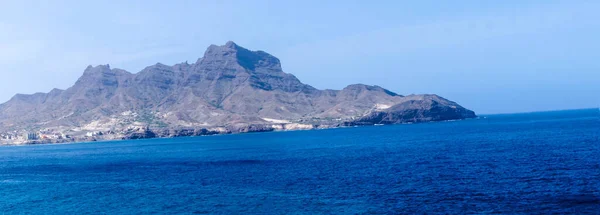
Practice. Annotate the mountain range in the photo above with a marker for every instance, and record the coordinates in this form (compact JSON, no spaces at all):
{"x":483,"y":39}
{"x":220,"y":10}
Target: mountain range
{"x":229,"y":89}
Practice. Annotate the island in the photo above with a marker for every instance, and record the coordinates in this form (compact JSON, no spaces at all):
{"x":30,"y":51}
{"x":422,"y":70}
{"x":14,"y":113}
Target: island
{"x":229,"y":90}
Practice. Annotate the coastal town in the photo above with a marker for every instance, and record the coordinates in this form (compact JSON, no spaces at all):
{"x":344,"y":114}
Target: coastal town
{"x":40,"y":136}
{"x":23,"y":137}
{"x":66,"y":135}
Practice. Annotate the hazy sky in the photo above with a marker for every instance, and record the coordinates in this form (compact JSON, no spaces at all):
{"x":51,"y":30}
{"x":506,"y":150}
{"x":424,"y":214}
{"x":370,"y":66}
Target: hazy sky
{"x":490,"y":56}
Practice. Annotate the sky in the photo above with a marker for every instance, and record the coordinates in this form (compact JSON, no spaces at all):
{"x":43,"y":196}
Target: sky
{"x":489,"y":56}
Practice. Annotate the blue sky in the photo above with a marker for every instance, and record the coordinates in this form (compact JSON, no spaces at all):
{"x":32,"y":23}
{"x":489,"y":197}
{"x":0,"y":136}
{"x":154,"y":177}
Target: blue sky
{"x":490,"y":56}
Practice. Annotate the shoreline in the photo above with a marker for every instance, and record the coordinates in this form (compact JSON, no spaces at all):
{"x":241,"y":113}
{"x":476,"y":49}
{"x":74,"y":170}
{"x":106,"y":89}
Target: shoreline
{"x":340,"y":126}
{"x":170,"y":137}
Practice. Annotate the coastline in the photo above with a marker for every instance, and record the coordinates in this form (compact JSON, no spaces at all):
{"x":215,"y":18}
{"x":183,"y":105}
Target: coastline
{"x":593,"y":112}
{"x":159,"y":136}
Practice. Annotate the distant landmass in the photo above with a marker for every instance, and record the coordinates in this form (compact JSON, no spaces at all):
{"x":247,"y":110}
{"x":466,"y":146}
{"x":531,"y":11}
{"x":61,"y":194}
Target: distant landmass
{"x":229,"y":90}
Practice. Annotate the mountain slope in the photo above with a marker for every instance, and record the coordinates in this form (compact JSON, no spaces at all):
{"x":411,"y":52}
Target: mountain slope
{"x":230,"y":86}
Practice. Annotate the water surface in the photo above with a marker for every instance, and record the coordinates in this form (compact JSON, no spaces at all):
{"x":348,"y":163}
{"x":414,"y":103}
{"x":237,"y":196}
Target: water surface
{"x":515,"y":164}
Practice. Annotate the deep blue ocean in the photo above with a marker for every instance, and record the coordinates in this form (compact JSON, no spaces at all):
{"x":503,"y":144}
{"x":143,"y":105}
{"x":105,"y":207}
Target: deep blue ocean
{"x":535,"y":163}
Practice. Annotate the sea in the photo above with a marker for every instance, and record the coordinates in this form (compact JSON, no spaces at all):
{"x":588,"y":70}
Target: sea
{"x":530,"y":163}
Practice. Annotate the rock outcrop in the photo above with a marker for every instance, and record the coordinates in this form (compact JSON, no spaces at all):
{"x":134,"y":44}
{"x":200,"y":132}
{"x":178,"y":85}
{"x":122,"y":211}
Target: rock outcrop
{"x":419,"y":108}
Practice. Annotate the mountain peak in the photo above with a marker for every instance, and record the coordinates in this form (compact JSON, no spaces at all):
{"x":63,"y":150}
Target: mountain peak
{"x":364,"y":87}
{"x":91,"y":68}
{"x":101,"y":70}
{"x":231,"y":52}
{"x":231,"y":44}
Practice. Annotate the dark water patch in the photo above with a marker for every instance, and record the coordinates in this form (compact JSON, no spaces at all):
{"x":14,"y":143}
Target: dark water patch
{"x":235,"y":162}
{"x":578,"y":200}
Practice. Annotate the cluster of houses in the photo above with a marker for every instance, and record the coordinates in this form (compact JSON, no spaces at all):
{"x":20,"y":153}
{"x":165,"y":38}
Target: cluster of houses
{"x":18,"y":137}
{"x":13,"y":136}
